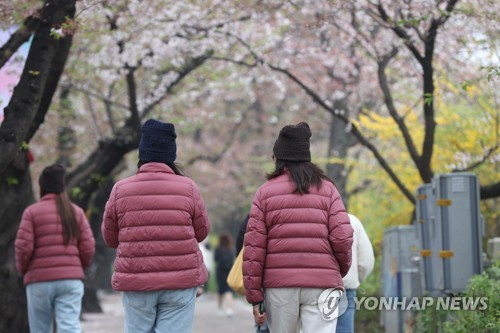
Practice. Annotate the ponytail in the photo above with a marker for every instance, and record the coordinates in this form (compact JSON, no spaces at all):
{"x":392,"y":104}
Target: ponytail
{"x":68,"y":218}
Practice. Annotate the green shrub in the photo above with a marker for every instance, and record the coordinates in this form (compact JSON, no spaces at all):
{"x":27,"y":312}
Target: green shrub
{"x":368,"y":321}
{"x":488,"y":320}
{"x":465,"y":321}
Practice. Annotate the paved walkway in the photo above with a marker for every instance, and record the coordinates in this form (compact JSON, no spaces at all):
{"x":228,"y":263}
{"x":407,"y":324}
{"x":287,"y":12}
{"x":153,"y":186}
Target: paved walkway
{"x":206,"y":318}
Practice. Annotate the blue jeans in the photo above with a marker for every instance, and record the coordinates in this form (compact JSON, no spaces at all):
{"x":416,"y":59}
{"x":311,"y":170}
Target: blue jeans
{"x":345,"y":323}
{"x":64,"y":297}
{"x":159,"y":311}
{"x":262,"y":329}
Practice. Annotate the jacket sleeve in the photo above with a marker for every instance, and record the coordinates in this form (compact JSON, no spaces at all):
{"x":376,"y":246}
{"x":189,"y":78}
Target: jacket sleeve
{"x":109,"y":227}
{"x":340,"y":233}
{"x":366,"y":258}
{"x":254,"y":253}
{"x":201,"y":223}
{"x":86,"y":245}
{"x":24,"y":244}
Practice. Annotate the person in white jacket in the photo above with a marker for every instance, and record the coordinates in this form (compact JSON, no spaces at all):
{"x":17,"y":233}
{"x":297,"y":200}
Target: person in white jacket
{"x":363,"y":260}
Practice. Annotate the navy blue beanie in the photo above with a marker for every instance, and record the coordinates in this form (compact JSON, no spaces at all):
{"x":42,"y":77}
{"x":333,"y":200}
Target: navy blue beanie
{"x":158,"y":142}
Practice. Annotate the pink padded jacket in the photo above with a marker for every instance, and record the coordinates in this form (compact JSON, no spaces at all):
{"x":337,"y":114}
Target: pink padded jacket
{"x":295,"y":240}
{"x":41,"y":254}
{"x":155,"y":219}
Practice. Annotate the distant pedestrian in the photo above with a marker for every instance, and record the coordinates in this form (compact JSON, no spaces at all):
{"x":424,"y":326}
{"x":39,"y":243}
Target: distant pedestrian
{"x":54,"y":244}
{"x":155,"y":219}
{"x":298,"y":240}
{"x":363,"y":260}
{"x":224,"y":258}
{"x":208,"y":259}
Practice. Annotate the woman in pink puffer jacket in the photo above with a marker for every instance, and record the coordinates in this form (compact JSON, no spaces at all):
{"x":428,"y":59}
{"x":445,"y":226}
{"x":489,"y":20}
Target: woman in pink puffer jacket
{"x":54,"y":244}
{"x":298,"y":241}
{"x":155,"y":219}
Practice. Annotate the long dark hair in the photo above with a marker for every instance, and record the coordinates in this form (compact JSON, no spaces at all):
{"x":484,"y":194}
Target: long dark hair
{"x":175,"y":167}
{"x":225,"y":241}
{"x":303,"y":174}
{"x":68,"y":217}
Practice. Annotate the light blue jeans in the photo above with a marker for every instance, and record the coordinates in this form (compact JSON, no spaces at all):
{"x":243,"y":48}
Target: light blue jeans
{"x":345,"y":323}
{"x":262,"y":329}
{"x":159,"y":311}
{"x":62,"y":297}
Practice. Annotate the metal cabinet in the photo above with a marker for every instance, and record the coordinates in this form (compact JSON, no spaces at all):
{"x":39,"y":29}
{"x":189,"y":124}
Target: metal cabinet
{"x":425,"y":219}
{"x":456,"y":235}
{"x":400,"y":274}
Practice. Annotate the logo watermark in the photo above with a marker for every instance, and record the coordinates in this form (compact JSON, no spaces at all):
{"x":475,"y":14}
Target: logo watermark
{"x":332,"y":303}
{"x":451,"y":303}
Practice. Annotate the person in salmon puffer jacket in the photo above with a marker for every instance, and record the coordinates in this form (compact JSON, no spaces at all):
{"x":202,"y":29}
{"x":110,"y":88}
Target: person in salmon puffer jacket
{"x":54,"y":244}
{"x":298,"y":242}
{"x":155,"y":219}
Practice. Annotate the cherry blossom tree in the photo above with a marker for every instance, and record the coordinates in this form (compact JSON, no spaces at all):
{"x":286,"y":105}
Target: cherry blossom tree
{"x":385,"y":46}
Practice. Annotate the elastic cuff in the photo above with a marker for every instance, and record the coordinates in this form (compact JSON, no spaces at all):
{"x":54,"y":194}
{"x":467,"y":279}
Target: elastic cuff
{"x":258,"y":303}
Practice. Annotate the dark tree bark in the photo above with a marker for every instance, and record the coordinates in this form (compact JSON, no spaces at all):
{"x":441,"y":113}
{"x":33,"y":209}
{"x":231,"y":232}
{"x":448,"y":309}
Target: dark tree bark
{"x":14,"y":198}
{"x":98,"y":275}
{"x":36,"y":84}
{"x":337,"y":150}
{"x":18,"y":38}
{"x":30,"y":100}
{"x":490,"y":191}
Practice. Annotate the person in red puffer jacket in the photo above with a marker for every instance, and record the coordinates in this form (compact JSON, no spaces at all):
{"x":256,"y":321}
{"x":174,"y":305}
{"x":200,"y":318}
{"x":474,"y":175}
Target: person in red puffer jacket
{"x":298,"y":241}
{"x":155,"y":219}
{"x":54,"y":244}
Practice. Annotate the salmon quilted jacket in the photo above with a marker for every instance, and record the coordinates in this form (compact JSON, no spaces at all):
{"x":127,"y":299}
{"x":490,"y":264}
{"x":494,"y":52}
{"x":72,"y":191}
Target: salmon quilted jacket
{"x":295,"y":240}
{"x":41,"y":254}
{"x":156,"y":219}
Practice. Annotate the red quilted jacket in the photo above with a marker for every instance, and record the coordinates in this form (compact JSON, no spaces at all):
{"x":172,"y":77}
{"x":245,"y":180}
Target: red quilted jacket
{"x":41,"y":254}
{"x":295,"y":240}
{"x":155,"y":219}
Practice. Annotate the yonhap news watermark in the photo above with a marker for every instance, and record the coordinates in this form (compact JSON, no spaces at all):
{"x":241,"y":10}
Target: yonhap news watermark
{"x":333,"y":302}
{"x":446,"y":303}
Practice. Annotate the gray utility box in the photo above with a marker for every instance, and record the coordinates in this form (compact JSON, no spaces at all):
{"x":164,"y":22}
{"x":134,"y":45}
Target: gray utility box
{"x":425,"y":219}
{"x":494,"y":248}
{"x":400,"y":276}
{"x":456,"y":235}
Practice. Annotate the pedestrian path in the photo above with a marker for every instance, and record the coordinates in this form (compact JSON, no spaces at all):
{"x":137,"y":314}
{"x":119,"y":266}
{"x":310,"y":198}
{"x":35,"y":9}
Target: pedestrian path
{"x":206,"y":318}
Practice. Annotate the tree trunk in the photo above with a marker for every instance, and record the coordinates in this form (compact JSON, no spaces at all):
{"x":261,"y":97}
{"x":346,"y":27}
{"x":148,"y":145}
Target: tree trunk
{"x":38,"y":80}
{"x":338,"y":145}
{"x":98,"y":275}
{"x":29,"y":101}
{"x":14,"y":198}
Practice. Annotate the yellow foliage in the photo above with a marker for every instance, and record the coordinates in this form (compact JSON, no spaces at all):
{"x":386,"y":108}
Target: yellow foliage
{"x":466,"y":126}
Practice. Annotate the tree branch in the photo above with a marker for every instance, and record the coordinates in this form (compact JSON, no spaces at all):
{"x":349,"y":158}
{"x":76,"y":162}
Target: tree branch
{"x":236,"y":62}
{"x":389,"y":102}
{"x":449,"y":8}
{"x":134,"y":119}
{"x":19,"y":37}
{"x":56,"y":70}
{"x":488,"y":154}
{"x":103,"y":99}
{"x":490,"y":191}
{"x":32,"y":87}
{"x":400,"y":32}
{"x":216,"y":157}
{"x":360,"y":188}
{"x":188,"y":68}
{"x":93,"y":116}
{"x":354,"y":130}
